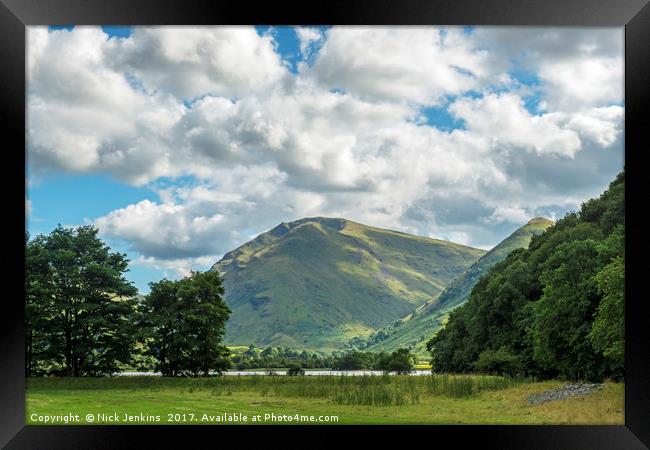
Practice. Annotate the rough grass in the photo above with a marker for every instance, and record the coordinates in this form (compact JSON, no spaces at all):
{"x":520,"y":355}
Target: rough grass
{"x":605,"y":407}
{"x":356,"y":400}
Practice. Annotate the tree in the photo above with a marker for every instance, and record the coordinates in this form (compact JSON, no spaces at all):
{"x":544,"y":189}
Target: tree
{"x":555,"y":309}
{"x":79,"y":305}
{"x":184,"y":323}
{"x":294,"y":369}
{"x":565,"y":312}
{"x":252,"y":351}
{"x":160,"y":316}
{"x":498,"y":362}
{"x":401,"y":361}
{"x":354,"y":361}
{"x":608,"y":330}
{"x":38,"y":307}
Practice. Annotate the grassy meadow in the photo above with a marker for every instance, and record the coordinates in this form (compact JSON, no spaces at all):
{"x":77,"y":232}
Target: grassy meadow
{"x":438,"y":399}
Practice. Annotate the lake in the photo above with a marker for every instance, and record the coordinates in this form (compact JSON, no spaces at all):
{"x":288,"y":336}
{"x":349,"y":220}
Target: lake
{"x":284,"y":372}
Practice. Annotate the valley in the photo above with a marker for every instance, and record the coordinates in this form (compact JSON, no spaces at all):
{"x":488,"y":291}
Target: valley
{"x":333,"y":284}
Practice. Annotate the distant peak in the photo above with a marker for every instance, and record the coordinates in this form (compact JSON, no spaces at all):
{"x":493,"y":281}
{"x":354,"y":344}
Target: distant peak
{"x":318,"y":219}
{"x":539,"y":220}
{"x":331,"y":222}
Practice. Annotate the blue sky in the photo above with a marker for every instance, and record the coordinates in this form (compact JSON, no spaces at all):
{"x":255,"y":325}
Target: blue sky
{"x":182,"y":145}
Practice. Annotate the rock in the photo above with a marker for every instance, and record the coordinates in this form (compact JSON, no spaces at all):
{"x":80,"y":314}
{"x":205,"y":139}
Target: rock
{"x":570,"y":390}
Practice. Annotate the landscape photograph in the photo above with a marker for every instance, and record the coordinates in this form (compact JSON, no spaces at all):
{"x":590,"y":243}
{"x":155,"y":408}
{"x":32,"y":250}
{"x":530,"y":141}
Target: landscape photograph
{"x":332,"y":225}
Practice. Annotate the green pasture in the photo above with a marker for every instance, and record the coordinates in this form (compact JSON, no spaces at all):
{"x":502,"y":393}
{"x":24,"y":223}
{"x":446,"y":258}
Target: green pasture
{"x":439,"y":399}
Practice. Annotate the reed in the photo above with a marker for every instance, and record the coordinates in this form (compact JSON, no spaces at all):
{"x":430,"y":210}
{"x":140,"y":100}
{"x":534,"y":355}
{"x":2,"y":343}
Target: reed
{"x":379,"y":390}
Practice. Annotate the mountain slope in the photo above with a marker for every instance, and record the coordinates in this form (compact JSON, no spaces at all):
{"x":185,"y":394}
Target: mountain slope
{"x":415,"y":329}
{"x":316,"y":282}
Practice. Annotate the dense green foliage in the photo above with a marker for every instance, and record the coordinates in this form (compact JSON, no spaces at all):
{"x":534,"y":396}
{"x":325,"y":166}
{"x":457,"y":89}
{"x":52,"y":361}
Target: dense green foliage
{"x":83,"y":318}
{"x":399,"y":361}
{"x":414,"y":330}
{"x":316,"y":282}
{"x":356,"y":361}
{"x":553,"y":310}
{"x":279,"y":357}
{"x":183,"y":324}
{"x":608,"y":331}
{"x":78,"y":305}
{"x":295,"y":370}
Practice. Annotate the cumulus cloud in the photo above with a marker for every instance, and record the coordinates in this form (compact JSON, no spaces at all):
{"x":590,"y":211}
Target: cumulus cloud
{"x":307,"y":37}
{"x":601,"y":126}
{"x":347,"y":136}
{"x":190,"y":62}
{"x":192,"y":222}
{"x":175,"y":268}
{"x":504,"y":121}
{"x":412,"y":64}
{"x":83,"y":116}
{"x":578,"y":68}
{"x":575,"y":85}
{"x":509,"y":214}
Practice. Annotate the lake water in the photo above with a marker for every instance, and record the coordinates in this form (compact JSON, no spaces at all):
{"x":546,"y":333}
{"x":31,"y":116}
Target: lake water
{"x":283,"y":372}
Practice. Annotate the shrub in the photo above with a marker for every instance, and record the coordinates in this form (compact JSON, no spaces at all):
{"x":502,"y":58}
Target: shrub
{"x":498,"y":362}
{"x":295,"y":370}
{"x":401,"y":361}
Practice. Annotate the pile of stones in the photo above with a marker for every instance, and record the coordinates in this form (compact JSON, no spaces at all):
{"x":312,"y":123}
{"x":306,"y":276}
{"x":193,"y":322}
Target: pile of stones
{"x":570,"y":390}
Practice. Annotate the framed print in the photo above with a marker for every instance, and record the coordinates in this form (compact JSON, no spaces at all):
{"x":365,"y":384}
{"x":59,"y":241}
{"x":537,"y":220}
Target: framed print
{"x":410,"y":219}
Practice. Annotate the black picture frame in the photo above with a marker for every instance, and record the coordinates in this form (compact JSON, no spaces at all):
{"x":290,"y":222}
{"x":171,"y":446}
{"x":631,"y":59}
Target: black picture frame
{"x":634,"y":15}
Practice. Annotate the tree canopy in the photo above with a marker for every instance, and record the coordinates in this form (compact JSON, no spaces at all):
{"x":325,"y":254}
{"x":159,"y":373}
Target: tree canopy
{"x":401,"y":361}
{"x":78,"y":304}
{"x":183,"y":324}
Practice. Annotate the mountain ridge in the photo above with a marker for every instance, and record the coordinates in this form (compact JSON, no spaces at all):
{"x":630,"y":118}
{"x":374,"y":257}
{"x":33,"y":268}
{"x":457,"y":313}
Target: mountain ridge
{"x":318,"y":281}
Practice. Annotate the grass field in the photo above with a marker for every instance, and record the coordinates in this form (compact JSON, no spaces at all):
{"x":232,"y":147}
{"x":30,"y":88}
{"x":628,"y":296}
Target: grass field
{"x":354,"y":400}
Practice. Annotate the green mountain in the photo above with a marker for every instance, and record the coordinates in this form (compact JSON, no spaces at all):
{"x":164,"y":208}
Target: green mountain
{"x":317,"y":282}
{"x":415,"y":329}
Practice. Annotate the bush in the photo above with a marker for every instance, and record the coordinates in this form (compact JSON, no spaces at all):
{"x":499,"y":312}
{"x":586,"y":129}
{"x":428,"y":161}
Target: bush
{"x":498,"y":362}
{"x":400,"y":361}
{"x":295,"y":370}
{"x":354,"y":361}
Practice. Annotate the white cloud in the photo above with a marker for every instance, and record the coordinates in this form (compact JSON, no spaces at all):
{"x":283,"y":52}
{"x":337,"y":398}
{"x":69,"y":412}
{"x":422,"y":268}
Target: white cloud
{"x":577,"y":84}
{"x":181,"y":267}
{"x":265,"y":146}
{"x":307,"y":37}
{"x":602,"y":126}
{"x":189,"y":62}
{"x":578,"y":68}
{"x":509,"y":214}
{"x":413,"y":64}
{"x":504,"y":121}
{"x":83,"y":116}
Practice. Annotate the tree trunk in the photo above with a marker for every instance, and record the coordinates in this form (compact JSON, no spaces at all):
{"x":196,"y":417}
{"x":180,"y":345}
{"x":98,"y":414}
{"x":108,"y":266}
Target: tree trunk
{"x":28,"y":351}
{"x":68,"y":345}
